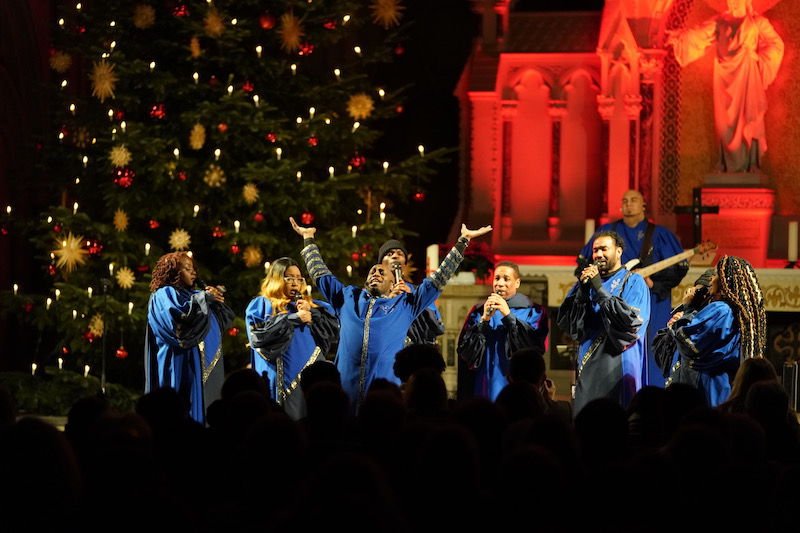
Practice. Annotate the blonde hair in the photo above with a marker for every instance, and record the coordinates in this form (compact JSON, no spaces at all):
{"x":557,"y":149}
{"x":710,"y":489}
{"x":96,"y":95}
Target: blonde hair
{"x":274,"y":287}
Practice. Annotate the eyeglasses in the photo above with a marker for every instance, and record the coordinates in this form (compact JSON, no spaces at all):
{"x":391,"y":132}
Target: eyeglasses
{"x":296,"y":280}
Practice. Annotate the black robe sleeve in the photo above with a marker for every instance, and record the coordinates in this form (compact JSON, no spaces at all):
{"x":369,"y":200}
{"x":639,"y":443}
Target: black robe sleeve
{"x":670,"y":277}
{"x":425,"y":328}
{"x":324,"y":329}
{"x":664,"y":347}
{"x":272,"y":338}
{"x":471,"y":341}
{"x":620,"y":321}
{"x":520,"y":334}
{"x":571,"y":317}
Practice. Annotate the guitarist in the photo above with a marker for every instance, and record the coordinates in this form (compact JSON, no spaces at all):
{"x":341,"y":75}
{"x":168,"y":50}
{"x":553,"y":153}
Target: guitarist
{"x":649,"y":243}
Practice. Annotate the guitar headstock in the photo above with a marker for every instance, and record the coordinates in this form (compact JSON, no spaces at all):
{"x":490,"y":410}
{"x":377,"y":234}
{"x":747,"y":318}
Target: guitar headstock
{"x":704,"y":253}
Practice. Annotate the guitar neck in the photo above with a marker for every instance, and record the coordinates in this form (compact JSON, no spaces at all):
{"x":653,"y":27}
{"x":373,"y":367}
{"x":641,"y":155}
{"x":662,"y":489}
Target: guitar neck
{"x":649,"y":270}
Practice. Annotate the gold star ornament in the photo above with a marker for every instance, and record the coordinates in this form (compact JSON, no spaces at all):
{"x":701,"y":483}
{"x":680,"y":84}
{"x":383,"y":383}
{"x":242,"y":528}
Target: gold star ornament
{"x":103,"y":80}
{"x":125,"y":278}
{"x":250,"y":193}
{"x":387,"y":13}
{"x":290,"y":32}
{"x":180,"y":240}
{"x":197,"y":137}
{"x":119,"y":156}
{"x":120,"y":220}
{"x":70,"y":252}
{"x":360,"y":106}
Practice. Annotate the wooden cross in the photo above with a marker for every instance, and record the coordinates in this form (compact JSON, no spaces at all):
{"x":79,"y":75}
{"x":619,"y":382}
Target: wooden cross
{"x":697,"y":210}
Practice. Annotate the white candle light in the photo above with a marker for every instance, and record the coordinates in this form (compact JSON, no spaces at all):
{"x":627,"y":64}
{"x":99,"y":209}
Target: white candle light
{"x":89,"y":291}
{"x":385,"y":167}
{"x":311,"y":112}
{"x":236,"y":225}
{"x":349,"y":271}
{"x":195,"y":209}
{"x":196,"y":77}
{"x":47,"y":303}
{"x":130,"y":308}
{"x":588,"y":230}
{"x":383,"y":217}
{"x":266,"y":266}
{"x":259,"y":49}
{"x":111,"y":269}
{"x":74,"y":314}
{"x":33,"y":369}
{"x":278,"y":153}
{"x":86,"y":371}
{"x":294,"y":69}
{"x":75,"y":208}
{"x":330,"y":171}
{"x":354,"y":229}
{"x":60,"y":363}
{"x":421,"y":150}
{"x":792,"y":241}
{"x":58,"y":293}
{"x":146,"y":248}
{"x":16,"y":289}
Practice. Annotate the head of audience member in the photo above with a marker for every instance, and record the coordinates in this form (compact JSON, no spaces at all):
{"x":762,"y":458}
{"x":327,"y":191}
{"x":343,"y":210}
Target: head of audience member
{"x":751,"y":371}
{"x":527,"y":365}
{"x":320,"y":371}
{"x":379,"y":280}
{"x":607,"y":251}
{"x":415,"y":357}
{"x":506,"y":279}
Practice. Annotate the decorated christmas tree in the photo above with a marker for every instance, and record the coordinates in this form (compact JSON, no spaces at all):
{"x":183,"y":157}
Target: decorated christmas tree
{"x":203,"y":125}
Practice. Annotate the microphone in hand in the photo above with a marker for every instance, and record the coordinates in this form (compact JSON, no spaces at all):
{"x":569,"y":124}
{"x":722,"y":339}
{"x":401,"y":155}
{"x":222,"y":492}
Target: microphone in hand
{"x":587,"y":279}
{"x":397,"y":268}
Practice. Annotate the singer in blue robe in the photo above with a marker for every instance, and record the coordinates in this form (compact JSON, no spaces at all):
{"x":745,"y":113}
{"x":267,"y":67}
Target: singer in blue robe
{"x":492,"y":332}
{"x":707,"y":344}
{"x":375,"y":318}
{"x":283,"y":339}
{"x":649,"y":243}
{"x":607,"y":312}
{"x":183,"y":344}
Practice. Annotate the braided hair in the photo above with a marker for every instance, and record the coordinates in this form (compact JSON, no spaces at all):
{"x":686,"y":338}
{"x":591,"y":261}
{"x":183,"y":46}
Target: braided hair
{"x":167,"y":270}
{"x":738,"y":285}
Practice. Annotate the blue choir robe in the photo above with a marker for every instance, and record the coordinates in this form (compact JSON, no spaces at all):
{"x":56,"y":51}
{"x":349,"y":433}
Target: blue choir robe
{"x":486,"y":347}
{"x":183,"y":346}
{"x":610,"y":325}
{"x":664,"y":244}
{"x":373,"y":330}
{"x":707,"y":350}
{"x":282,"y":345}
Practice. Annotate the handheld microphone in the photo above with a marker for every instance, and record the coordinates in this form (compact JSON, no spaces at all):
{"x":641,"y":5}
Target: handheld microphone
{"x":200,"y":283}
{"x":297,"y":296}
{"x":586,"y":280}
{"x":397,"y":268}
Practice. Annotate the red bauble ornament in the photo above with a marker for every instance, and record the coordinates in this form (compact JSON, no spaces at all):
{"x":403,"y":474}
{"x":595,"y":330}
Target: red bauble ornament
{"x":181,"y":10}
{"x":271,"y":137}
{"x":306,"y":49}
{"x":119,"y":114}
{"x":358,"y":161}
{"x":27,"y":307}
{"x":94,"y":247}
{"x":123,"y":176}
{"x":142,"y":269}
{"x":307,"y":218}
{"x":399,"y":50}
{"x":4,"y":230}
{"x":52,"y":270}
{"x":355,"y":256}
{"x":399,"y":109}
{"x":259,"y":217}
{"x":57,"y":228}
{"x":248,"y":87}
{"x":121,"y":353}
{"x":313,"y":141}
{"x":154,"y":224}
{"x":330,"y":25}
{"x":89,"y":337}
{"x":222,"y":127}
{"x":217,"y":232}
{"x":266,"y":21}
{"x":182,"y":175}
{"x":235,"y":249}
{"x":233,"y":332}
{"x":213,"y":81}
{"x":158,"y":111}
{"x":65,"y":350}
{"x":419,"y":196}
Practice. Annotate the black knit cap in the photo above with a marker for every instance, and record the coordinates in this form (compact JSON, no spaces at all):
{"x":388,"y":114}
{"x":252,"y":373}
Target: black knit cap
{"x":391,"y":244}
{"x":705,"y":277}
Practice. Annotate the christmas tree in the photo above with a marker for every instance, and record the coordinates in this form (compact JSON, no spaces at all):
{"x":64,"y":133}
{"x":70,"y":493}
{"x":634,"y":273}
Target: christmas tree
{"x":203,"y":125}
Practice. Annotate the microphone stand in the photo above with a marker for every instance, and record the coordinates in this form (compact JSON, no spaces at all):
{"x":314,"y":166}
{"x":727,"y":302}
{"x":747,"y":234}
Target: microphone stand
{"x":105,"y":284}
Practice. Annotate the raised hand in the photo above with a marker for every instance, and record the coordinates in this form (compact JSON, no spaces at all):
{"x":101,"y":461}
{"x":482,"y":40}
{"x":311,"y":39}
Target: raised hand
{"x":306,"y":233}
{"x":472,"y":233}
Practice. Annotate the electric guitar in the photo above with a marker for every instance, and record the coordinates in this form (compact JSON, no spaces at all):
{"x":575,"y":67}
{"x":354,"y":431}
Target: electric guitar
{"x":649,"y":270}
